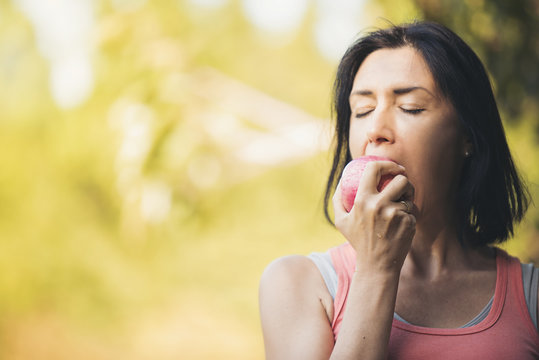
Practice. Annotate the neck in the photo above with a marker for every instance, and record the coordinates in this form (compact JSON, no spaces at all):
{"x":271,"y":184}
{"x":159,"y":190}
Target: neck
{"x":434,"y":253}
{"x":437,"y":252}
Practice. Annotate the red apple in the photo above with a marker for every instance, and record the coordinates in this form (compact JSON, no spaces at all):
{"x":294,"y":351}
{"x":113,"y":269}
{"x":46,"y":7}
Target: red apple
{"x":351,"y":176}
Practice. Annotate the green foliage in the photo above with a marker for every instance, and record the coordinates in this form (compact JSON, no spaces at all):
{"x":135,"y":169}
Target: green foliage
{"x":506,"y":35}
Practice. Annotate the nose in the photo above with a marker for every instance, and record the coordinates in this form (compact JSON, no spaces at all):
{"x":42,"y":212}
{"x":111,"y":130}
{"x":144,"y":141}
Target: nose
{"x":381,"y":128}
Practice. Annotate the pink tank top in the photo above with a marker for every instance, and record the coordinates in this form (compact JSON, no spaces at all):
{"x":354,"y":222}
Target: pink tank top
{"x":507,"y":332}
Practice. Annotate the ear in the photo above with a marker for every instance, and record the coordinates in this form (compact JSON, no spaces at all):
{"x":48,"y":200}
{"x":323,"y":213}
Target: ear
{"x":467,"y":148}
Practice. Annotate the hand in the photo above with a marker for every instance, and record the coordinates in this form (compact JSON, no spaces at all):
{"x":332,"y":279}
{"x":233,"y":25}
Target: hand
{"x":380,"y":227}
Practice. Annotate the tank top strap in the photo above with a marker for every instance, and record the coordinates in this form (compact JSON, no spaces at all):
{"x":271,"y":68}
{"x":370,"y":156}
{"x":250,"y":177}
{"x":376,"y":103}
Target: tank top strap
{"x":515,"y":294}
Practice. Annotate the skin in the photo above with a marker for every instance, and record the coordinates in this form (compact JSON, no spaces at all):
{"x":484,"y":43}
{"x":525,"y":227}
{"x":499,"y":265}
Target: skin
{"x":410,"y":263}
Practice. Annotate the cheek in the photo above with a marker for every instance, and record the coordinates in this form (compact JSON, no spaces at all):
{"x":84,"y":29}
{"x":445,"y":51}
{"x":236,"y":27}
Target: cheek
{"x":437,"y":168}
{"x":439,"y":153}
{"x":356,"y":139}
{"x":439,"y":139}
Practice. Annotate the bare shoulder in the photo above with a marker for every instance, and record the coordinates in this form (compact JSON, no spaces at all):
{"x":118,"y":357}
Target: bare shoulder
{"x":289,"y":270}
{"x":294,"y":309}
{"x":295,"y":278}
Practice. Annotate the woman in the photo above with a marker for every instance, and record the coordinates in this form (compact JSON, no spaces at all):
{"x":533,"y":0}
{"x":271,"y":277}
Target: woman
{"x":418,"y":277}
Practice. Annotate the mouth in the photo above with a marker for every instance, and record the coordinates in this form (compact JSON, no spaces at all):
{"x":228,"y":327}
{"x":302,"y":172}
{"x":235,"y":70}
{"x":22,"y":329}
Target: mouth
{"x":380,"y":158}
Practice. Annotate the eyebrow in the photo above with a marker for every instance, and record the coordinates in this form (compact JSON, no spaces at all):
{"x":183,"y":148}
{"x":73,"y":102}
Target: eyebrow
{"x":398,"y":91}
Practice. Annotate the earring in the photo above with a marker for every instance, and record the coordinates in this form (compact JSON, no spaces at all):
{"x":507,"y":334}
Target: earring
{"x":467,"y":154}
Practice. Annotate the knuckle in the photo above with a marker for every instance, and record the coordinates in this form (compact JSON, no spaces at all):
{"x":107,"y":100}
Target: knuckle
{"x":372,"y":206}
{"x":363,"y":202}
{"x":365,"y":206}
{"x":409,"y":221}
{"x":371,"y":165}
{"x":390,"y":212}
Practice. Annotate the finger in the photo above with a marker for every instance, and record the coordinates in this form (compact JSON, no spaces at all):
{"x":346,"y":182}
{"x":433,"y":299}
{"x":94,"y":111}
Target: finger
{"x":408,"y":206}
{"x":400,"y":188}
{"x":406,"y":228}
{"x":374,"y":171}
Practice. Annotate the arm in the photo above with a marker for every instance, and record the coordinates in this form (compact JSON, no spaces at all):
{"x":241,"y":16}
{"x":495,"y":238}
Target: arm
{"x":381,"y":232}
{"x":294,"y":310}
{"x":368,"y":317}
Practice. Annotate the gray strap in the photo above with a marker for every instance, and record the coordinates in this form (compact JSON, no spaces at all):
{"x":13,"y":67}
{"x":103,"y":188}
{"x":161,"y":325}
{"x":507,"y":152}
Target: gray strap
{"x":482,"y":315}
{"x":325,"y":266}
{"x":476,"y":320}
{"x":530,"y":280}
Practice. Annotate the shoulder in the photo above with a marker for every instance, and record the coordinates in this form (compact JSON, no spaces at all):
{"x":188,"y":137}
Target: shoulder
{"x":294,"y":281}
{"x":293,"y":274}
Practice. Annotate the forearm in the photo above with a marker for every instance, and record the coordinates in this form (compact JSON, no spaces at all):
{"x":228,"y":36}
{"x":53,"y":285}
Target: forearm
{"x":367,"y":320}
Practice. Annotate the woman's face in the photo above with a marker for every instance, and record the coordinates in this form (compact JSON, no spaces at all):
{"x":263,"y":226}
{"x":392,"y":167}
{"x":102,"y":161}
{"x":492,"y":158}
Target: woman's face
{"x":398,"y":112}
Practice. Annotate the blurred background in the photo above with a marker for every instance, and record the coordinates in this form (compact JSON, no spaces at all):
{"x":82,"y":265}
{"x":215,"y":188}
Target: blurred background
{"x":157,"y":155}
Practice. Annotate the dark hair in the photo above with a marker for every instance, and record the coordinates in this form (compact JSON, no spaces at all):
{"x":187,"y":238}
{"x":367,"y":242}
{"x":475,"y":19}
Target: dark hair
{"x":491,"y":196}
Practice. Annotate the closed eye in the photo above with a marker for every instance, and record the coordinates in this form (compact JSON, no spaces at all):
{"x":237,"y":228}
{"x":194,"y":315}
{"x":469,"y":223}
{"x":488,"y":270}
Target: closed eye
{"x":359,"y":115}
{"x":412,"y":111}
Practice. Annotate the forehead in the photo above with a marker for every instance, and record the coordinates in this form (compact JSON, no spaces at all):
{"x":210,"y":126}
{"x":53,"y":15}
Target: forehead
{"x":403,"y":66}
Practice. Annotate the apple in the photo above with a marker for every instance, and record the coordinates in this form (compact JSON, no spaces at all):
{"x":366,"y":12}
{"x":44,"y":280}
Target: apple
{"x":351,"y":176}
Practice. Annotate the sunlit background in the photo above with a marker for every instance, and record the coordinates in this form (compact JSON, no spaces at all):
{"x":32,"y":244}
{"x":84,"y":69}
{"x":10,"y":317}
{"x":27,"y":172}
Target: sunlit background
{"x":157,"y":155}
